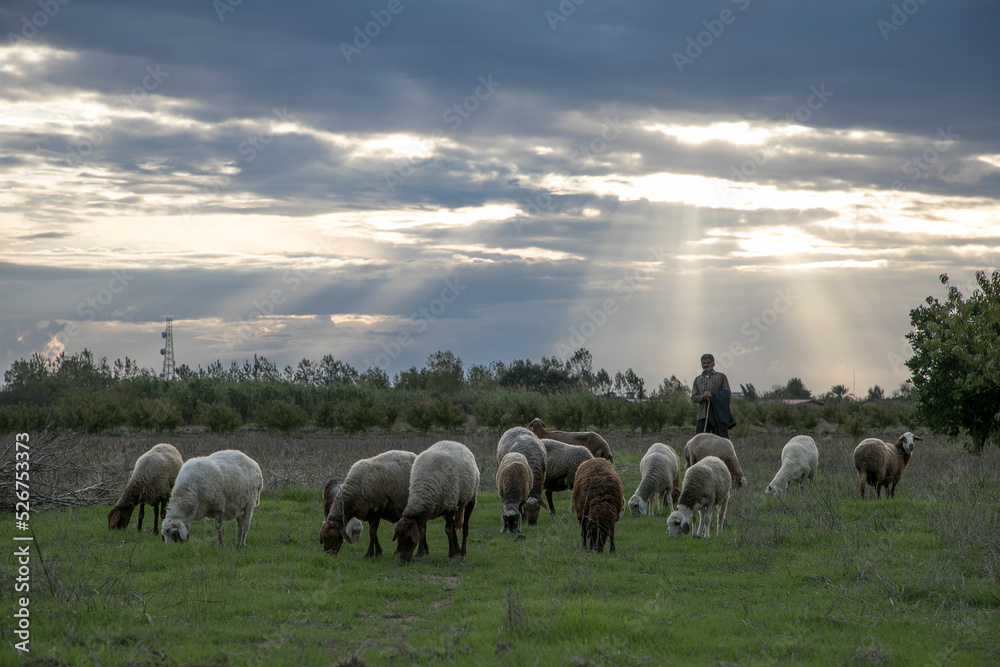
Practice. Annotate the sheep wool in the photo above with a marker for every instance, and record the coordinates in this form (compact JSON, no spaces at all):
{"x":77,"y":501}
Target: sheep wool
{"x":375,"y":489}
{"x":523,"y":441}
{"x":513,"y":485}
{"x":706,"y":486}
{"x":443,"y":482}
{"x":562,"y":460}
{"x":598,"y":502}
{"x":150,"y":483}
{"x":881,"y":465}
{"x":223,"y":486}
{"x":597,"y":445}
{"x":710,"y":444}
{"x":799,"y":460}
{"x":660,"y":471}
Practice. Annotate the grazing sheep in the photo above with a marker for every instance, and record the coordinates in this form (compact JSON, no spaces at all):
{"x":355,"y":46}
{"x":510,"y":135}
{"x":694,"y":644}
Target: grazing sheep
{"x":562,"y":461}
{"x":881,"y":464}
{"x":520,"y":439}
{"x":443,"y":482}
{"x":710,"y":444}
{"x":513,"y":484}
{"x":598,"y":502}
{"x":376,"y":488}
{"x":706,"y":485}
{"x":225,"y":485}
{"x":597,"y":445}
{"x":354,"y":527}
{"x":152,"y":478}
{"x":661,"y":478}
{"x":799,"y":460}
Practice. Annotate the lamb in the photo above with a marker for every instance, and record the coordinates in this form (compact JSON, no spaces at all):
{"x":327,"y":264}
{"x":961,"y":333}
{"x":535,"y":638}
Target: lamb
{"x":562,"y":461}
{"x":520,"y":439}
{"x":513,"y":484}
{"x":443,"y":482}
{"x":330,"y":490}
{"x":152,"y":478}
{"x":710,"y":444}
{"x":225,"y":485}
{"x":881,"y":464}
{"x":376,"y":488}
{"x":660,"y":468}
{"x":706,"y":486}
{"x":597,"y":445}
{"x":598,"y":501}
{"x":799,"y":460}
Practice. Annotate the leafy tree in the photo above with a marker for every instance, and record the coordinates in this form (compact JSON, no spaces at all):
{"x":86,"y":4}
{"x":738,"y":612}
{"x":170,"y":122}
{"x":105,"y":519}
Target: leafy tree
{"x":602,"y":382}
{"x":795,"y":388}
{"x":374,"y":377}
{"x":281,"y":416}
{"x":875,"y":393}
{"x":218,"y":417}
{"x":749,"y":391}
{"x":445,"y":373}
{"x":331,"y":371}
{"x":670,"y":387}
{"x":411,"y":379}
{"x":839,"y":393}
{"x":480,"y":378}
{"x":956,"y":360}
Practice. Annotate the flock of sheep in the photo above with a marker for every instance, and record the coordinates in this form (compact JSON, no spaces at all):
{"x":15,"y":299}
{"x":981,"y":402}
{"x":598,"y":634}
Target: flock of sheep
{"x":410,"y":489}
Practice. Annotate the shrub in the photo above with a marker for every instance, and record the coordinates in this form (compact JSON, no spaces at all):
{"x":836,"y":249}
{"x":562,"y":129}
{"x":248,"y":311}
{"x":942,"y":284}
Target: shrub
{"x":502,"y":410}
{"x":417,"y":413}
{"x":92,"y":412}
{"x":446,"y":414}
{"x":360,"y":414}
{"x":281,"y":416}
{"x":155,"y":414}
{"x":218,"y":417}
{"x":21,"y":418}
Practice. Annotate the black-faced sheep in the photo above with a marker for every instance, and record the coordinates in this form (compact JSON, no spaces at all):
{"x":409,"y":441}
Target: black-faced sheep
{"x":443,"y":482}
{"x":598,"y":501}
{"x":152,"y":479}
{"x":376,"y":488}
{"x":706,"y":486}
{"x":799,"y":460}
{"x":562,"y":461}
{"x":523,"y":441}
{"x":597,"y":445}
{"x":881,"y":464}
{"x":660,"y":469}
{"x":710,"y":444}
{"x":513,"y":485}
{"x":223,"y":486}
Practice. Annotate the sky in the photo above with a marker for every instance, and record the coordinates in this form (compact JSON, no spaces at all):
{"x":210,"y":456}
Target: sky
{"x":778,"y":183}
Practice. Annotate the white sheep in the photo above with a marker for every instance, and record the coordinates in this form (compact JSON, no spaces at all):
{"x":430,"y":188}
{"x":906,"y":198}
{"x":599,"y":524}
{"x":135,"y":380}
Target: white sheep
{"x":706,"y":486}
{"x":513,"y":485}
{"x":375,"y":488}
{"x":150,"y":483}
{"x":799,"y":460}
{"x":520,"y":439}
{"x":443,"y":482}
{"x":710,"y":444}
{"x":660,"y":470}
{"x":561,"y":463}
{"x":881,"y":464}
{"x":223,"y":486}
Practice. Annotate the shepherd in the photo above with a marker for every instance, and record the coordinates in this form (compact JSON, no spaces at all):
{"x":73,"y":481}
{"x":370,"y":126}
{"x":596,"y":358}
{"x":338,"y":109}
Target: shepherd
{"x":711,"y":392}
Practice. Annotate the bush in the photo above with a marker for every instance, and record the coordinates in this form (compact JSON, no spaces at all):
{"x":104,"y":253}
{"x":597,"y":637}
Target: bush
{"x":92,"y":412}
{"x":155,"y":414}
{"x":648,"y":416}
{"x":417,"y":413}
{"x":501,"y":410}
{"x":218,"y":417}
{"x":360,"y":415}
{"x":21,"y":418}
{"x":280,"y":416}
{"x":446,"y":414}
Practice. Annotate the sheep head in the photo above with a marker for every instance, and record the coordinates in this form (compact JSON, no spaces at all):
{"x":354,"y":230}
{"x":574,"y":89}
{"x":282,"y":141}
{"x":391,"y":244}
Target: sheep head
{"x":637,"y":506}
{"x":119,"y":517}
{"x":510,"y":521}
{"x":407,"y":536}
{"x":773,"y":490}
{"x":334,"y":532}
{"x":537,"y":427}
{"x":905,"y":442}
{"x":531,"y":508}
{"x":679,"y":522}
{"x":173,"y":531}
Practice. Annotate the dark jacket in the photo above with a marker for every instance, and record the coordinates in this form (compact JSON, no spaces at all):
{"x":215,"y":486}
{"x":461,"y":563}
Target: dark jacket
{"x":719,"y":413}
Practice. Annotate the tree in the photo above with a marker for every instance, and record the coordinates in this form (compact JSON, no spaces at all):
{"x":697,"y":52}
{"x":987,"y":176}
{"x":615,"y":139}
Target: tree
{"x":749,"y":391}
{"x":956,"y":360}
{"x":840,"y":392}
{"x":795,"y":388}
{"x":875,"y":393}
{"x":671,"y":386}
{"x":333,"y":371}
{"x":445,"y":373}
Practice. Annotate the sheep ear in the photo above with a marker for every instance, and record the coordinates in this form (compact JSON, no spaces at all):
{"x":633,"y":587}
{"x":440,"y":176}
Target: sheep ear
{"x":346,"y":534}
{"x":184,"y":533}
{"x":917,"y":437}
{"x":415,"y":534}
{"x":685,"y":527}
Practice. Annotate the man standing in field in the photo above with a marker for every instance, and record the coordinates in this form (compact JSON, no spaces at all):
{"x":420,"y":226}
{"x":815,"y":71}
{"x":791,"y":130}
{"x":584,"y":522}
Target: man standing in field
{"x":711,"y":392}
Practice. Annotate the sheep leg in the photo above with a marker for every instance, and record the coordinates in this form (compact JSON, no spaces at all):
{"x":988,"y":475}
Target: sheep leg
{"x":612,"y":538}
{"x":465,"y":525}
{"x":861,"y":482}
{"x":156,"y":516}
{"x":722,"y":516}
{"x":705,"y":522}
{"x":583,"y":532}
{"x":449,"y":529}
{"x":552,"y":508}
{"x":374,"y":548}
{"x":243,"y":525}
{"x":218,"y":528}
{"x":141,"y":508}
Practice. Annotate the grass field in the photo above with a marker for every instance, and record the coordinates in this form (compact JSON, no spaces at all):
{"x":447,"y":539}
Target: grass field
{"x":818,"y":578}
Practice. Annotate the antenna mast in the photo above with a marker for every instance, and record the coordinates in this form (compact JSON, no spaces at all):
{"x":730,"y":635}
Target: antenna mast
{"x":168,"y":351}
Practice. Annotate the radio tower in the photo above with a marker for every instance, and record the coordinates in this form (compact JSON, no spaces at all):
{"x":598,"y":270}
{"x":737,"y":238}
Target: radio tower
{"x":168,"y":351}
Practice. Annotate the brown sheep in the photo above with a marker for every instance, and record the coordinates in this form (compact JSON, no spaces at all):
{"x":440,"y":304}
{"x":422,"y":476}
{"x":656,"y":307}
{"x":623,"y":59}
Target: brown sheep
{"x":513,"y":484}
{"x":598,"y":501}
{"x":150,"y":484}
{"x":710,"y":444}
{"x":597,"y":445}
{"x":523,"y":441}
{"x":881,"y":464}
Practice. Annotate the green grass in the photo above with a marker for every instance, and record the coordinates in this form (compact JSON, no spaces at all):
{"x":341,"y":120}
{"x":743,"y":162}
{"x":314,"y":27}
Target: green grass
{"x":820,"y":578}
